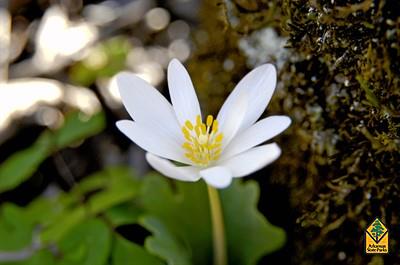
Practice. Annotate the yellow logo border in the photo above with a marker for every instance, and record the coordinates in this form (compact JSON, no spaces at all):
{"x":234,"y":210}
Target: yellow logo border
{"x":365,"y":238}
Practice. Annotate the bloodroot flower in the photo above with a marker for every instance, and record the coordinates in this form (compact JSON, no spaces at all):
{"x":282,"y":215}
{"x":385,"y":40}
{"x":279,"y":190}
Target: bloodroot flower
{"x":215,"y":149}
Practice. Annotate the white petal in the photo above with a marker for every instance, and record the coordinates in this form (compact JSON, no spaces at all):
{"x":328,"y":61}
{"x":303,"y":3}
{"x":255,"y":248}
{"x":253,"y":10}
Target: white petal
{"x":230,"y":124}
{"x":218,"y":177}
{"x":183,"y":96}
{"x":147,"y":106}
{"x":260,"y":84}
{"x":258,"y":133}
{"x":252,"y":160}
{"x":167,"y":168}
{"x":152,"y":140}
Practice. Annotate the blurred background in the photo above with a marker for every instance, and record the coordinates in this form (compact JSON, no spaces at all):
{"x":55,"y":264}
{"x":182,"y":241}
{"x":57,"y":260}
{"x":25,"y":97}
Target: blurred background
{"x":338,"y":67}
{"x":57,"y":58}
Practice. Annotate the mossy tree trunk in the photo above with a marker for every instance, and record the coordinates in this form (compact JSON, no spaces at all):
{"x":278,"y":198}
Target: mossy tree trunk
{"x":339,"y":79}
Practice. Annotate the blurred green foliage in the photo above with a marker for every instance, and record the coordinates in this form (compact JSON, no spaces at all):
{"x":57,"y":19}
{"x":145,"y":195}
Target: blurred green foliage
{"x":180,"y":222}
{"x":79,"y":227}
{"x":104,"y":60}
{"x":124,"y":252}
{"x":21,"y":165}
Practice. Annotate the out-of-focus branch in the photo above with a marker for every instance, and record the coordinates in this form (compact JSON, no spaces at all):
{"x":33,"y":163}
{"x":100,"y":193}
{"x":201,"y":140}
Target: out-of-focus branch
{"x":22,"y":254}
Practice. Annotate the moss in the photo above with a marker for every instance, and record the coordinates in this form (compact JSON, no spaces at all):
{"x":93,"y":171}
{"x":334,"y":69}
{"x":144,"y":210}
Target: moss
{"x":341,"y":88}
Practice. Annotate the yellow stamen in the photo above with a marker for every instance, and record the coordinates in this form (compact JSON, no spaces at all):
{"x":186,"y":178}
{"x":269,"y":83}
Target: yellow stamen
{"x":219,"y":138}
{"x":215,"y":126}
{"x":209,"y":120}
{"x":187,"y":146}
{"x":186,"y":134}
{"x":203,"y":128}
{"x":198,"y":120}
{"x":197,"y":129}
{"x":189,"y":125}
{"x":202,"y":141}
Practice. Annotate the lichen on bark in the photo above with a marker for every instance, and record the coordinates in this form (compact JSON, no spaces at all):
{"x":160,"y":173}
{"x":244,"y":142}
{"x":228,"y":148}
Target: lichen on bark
{"x":339,"y":82}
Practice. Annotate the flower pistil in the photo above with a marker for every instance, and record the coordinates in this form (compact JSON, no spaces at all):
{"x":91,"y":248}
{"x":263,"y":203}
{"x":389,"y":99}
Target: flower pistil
{"x":203,"y":141}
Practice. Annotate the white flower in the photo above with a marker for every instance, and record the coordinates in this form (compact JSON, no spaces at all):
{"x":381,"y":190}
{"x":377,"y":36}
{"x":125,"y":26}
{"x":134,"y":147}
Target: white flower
{"x":216,"y":150}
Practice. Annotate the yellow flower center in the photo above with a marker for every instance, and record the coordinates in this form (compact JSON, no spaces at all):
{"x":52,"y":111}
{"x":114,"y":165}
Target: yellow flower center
{"x":203,"y":141}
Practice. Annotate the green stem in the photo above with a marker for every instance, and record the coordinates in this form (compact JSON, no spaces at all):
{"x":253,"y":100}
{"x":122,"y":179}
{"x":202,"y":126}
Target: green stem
{"x":220,"y":256}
